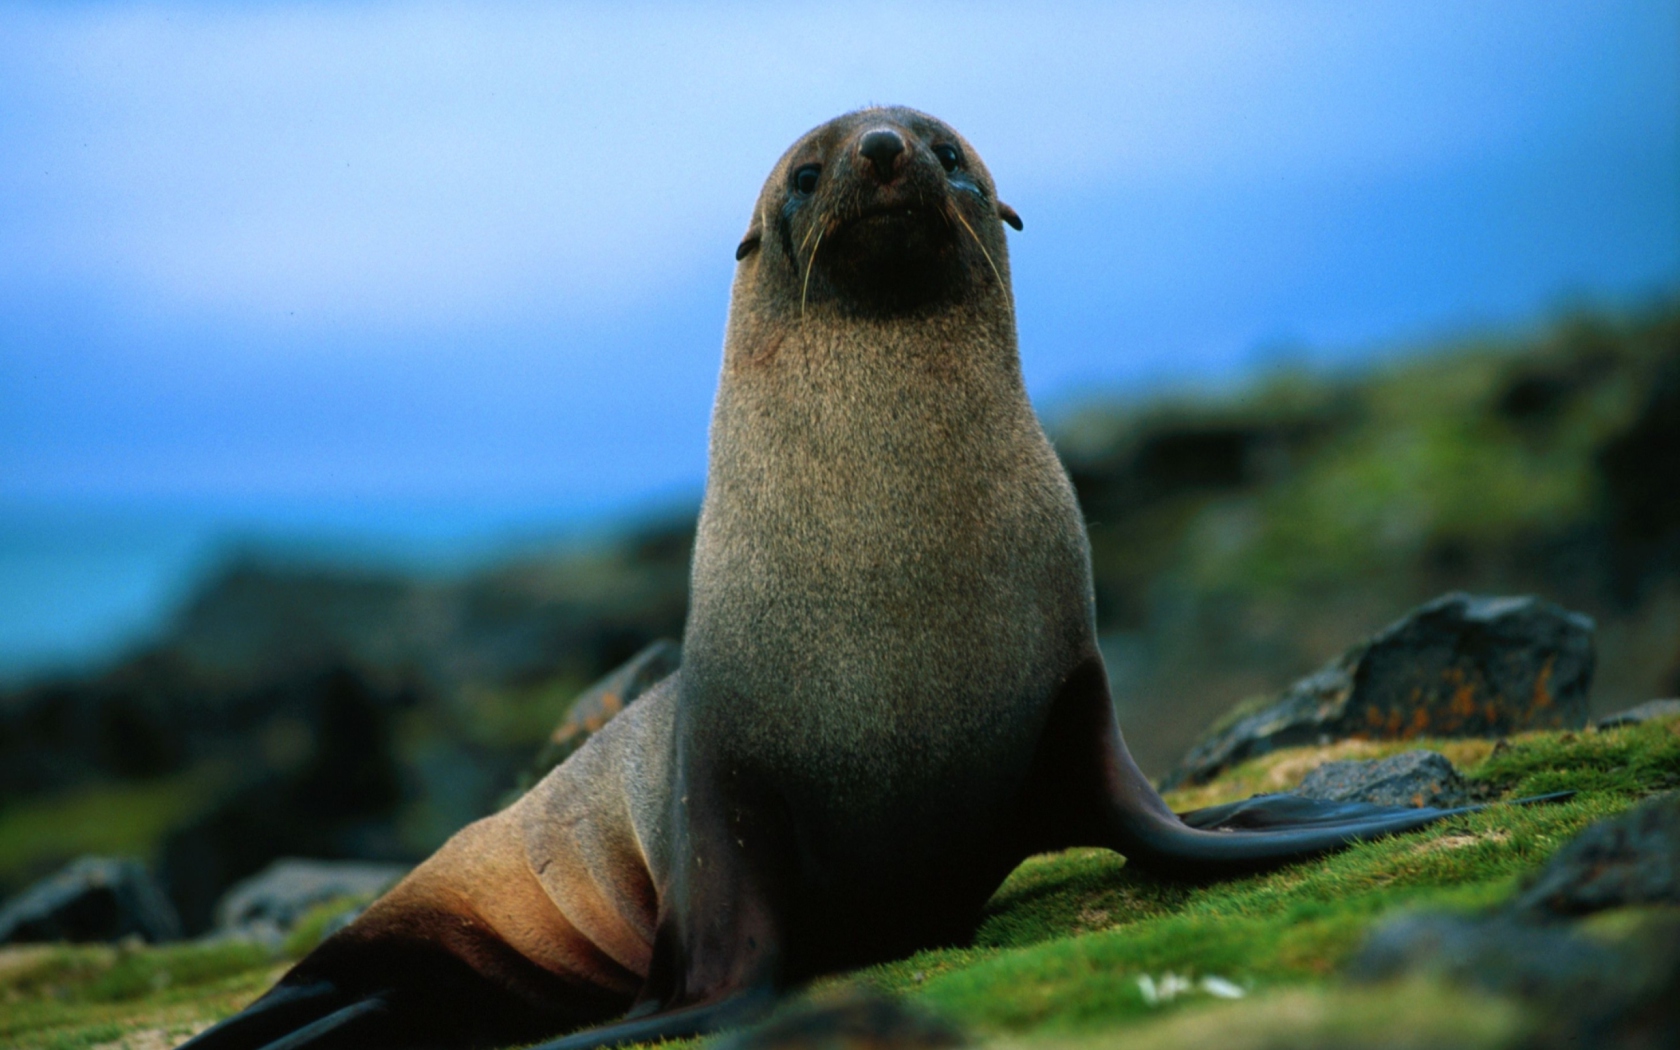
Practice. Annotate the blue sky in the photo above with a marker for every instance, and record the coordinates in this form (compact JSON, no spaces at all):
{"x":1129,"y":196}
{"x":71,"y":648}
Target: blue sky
{"x":477,"y":256}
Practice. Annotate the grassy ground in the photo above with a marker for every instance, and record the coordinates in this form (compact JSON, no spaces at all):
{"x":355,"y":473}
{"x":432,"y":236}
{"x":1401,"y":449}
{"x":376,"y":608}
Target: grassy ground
{"x":1065,"y":943}
{"x":127,"y":819}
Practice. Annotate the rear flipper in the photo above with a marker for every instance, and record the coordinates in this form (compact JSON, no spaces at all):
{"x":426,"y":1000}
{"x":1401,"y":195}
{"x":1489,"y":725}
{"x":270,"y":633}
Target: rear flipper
{"x":1268,"y":812}
{"x":1268,"y":830}
{"x":1085,"y":789}
{"x":1264,"y":832}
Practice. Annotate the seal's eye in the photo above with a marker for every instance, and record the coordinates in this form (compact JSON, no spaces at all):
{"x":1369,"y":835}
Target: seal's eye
{"x":948,"y":156}
{"x":805,"y":179}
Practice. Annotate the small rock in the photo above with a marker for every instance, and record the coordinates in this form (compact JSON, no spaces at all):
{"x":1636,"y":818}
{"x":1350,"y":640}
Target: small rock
{"x":272,"y":901}
{"x":1169,"y":986}
{"x":1504,"y":955}
{"x":1632,"y":858}
{"x":1649,"y":711}
{"x":1457,"y":666}
{"x":1220,"y":988}
{"x":1413,"y":778}
{"x":1590,"y":990}
{"x":854,"y":1021}
{"x":92,"y":899}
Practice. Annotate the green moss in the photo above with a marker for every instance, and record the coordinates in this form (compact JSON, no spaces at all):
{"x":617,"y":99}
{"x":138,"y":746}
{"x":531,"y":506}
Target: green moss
{"x":311,"y":927}
{"x":121,"y":819}
{"x":1632,"y":760}
{"x":64,"y":995}
{"x":102,"y":973}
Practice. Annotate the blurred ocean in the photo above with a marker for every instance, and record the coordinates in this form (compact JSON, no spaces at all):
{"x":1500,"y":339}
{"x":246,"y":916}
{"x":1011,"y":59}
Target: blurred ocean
{"x":82,"y":582}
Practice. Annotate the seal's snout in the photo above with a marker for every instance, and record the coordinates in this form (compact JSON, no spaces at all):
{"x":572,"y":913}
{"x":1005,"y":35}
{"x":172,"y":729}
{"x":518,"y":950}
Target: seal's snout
{"x":871,"y":213}
{"x":883,"y":147}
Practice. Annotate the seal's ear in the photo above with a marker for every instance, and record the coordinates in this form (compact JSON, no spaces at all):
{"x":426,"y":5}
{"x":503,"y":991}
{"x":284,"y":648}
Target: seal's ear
{"x":749,"y":243}
{"x":1009,"y":215}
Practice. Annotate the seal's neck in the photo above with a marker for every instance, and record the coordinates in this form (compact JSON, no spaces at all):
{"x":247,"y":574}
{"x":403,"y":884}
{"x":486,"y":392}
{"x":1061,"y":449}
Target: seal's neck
{"x":850,"y":363}
{"x":876,"y":428}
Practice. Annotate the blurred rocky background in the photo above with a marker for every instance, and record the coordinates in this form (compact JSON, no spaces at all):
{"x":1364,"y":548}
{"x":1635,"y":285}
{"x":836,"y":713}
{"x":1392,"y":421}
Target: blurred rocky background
{"x":1240,"y":541}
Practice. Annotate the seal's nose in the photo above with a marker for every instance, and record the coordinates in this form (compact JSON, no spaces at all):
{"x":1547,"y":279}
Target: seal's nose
{"x":883,"y":146}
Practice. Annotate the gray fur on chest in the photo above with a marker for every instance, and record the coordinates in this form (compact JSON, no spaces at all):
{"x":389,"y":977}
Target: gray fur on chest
{"x":891,"y":574}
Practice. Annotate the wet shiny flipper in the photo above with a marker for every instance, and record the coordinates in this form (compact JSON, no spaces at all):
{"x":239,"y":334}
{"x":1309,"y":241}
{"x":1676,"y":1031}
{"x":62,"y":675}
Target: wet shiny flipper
{"x":314,"y":1016}
{"x":1279,"y":811}
{"x":686,"y":1022}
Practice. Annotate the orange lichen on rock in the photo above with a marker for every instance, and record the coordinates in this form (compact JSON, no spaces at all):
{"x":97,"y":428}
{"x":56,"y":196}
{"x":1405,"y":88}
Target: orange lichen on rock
{"x":1543,"y":685}
{"x":1463,"y":702}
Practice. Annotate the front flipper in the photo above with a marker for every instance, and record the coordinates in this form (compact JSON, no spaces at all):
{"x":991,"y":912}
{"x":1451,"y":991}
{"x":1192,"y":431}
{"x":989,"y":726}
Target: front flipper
{"x":291,"y":1017}
{"x":404,"y":992}
{"x":468,"y":951}
{"x":683,"y":1022}
{"x":720,"y":955}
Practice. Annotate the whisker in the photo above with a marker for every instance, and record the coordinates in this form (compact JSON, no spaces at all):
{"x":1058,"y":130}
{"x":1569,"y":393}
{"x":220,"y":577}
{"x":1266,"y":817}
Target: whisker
{"x":805,"y":288}
{"x":815,"y":226}
{"x":978,"y":243}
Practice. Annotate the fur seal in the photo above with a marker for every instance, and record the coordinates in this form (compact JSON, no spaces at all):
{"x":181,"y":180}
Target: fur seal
{"x":890,"y":691}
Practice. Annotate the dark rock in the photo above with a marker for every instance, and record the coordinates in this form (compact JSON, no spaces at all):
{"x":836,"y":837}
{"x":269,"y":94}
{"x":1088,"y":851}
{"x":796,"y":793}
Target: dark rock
{"x":275,"y":898}
{"x":1588,"y":990}
{"x":1612,"y":980}
{"x":1413,"y":778}
{"x":1649,"y":711}
{"x":93,"y":899}
{"x":596,"y":705}
{"x":854,"y":1021}
{"x":340,"y":800}
{"x":1497,"y":954}
{"x":1457,"y":666}
{"x":1633,"y":858}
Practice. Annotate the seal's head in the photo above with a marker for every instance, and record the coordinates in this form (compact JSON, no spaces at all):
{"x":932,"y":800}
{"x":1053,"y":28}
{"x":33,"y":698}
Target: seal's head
{"x":882,"y":212}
